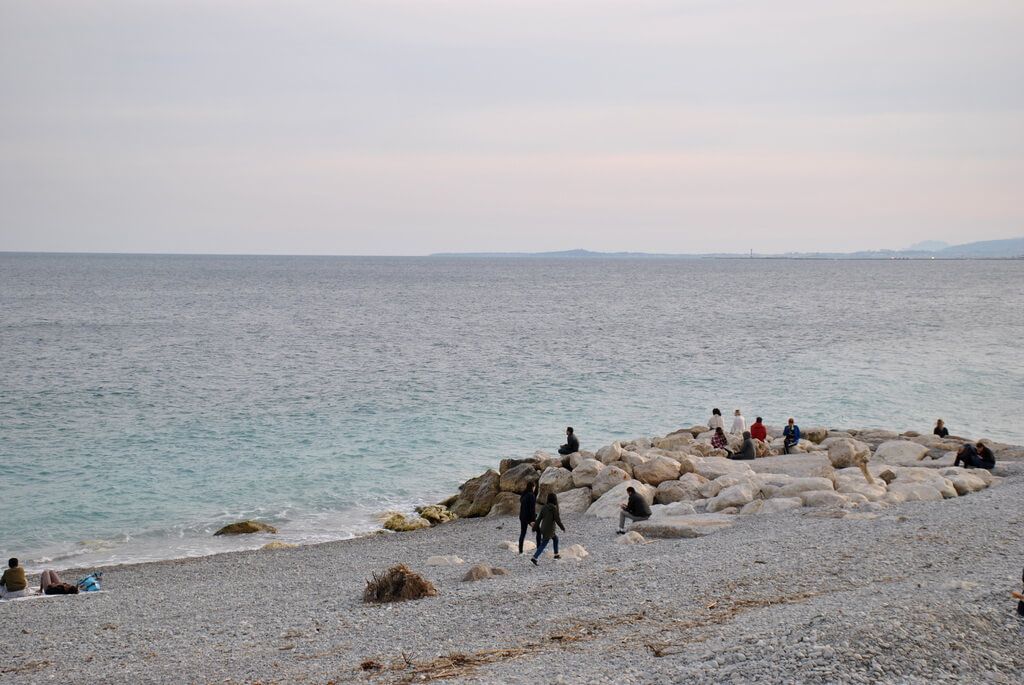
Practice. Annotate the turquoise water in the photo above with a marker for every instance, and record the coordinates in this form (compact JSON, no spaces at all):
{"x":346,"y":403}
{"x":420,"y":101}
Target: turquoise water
{"x":147,"y":400}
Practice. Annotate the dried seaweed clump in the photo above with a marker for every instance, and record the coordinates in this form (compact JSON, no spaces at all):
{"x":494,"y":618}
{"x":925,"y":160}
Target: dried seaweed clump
{"x":397,"y":584}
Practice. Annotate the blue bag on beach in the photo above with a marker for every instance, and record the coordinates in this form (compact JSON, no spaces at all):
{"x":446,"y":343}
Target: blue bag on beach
{"x":91,"y":583}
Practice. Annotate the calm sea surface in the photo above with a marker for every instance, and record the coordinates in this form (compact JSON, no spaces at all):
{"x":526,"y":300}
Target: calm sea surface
{"x":147,"y":400}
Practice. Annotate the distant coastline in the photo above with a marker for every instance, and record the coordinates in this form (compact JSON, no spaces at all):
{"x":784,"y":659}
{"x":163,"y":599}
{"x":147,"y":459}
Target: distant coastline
{"x":1011,"y":248}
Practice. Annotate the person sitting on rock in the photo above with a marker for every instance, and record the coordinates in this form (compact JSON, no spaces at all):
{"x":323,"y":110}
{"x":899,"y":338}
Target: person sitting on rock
{"x":719,"y":441}
{"x":791,"y":433}
{"x":758,"y":431}
{"x":716,"y":420}
{"x":975,"y":457}
{"x":748,"y":451}
{"x":635,"y":508}
{"x":739,"y":424}
{"x":527,"y":512}
{"x":571,"y":443}
{"x":986,"y":457}
{"x":545,"y":524}
{"x":940,"y":429}
{"x":13,"y":583}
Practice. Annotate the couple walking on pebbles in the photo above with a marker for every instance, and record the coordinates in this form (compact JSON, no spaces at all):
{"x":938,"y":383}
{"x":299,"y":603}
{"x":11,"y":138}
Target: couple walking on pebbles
{"x":543,"y":523}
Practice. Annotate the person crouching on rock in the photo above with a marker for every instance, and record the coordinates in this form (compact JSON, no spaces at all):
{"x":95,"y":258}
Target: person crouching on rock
{"x":975,"y":457}
{"x":527,"y":513}
{"x":791,"y":433}
{"x":571,"y":443}
{"x":719,"y":441}
{"x":748,"y":451}
{"x":547,"y":519}
{"x":635,"y":508}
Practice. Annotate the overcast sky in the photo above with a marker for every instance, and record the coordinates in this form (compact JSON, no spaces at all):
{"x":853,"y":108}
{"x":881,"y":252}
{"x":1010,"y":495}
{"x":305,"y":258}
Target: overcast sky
{"x":379,"y":127}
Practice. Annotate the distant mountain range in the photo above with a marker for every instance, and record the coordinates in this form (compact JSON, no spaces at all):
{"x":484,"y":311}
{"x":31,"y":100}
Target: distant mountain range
{"x":1011,"y":248}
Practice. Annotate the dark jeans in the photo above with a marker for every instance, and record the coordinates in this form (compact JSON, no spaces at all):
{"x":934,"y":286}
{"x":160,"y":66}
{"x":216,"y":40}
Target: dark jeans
{"x":973,"y":461}
{"x":523,"y":525}
{"x":543,"y":544}
{"x":786,"y":445}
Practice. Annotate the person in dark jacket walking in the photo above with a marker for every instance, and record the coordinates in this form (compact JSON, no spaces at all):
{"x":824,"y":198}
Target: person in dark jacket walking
{"x":547,"y":519}
{"x":571,"y":443}
{"x":635,"y":508}
{"x":527,"y":513}
{"x":748,"y":451}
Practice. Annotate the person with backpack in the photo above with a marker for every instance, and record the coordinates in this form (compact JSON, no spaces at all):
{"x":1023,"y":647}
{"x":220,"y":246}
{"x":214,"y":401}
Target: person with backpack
{"x":527,"y":512}
{"x":545,"y":524}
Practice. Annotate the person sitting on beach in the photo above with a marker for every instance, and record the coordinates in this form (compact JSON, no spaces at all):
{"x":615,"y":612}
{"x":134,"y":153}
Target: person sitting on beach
{"x":940,"y":429}
{"x":571,"y":443}
{"x":13,"y":583}
{"x":527,"y":512}
{"x":545,"y":524}
{"x":739,"y":424}
{"x":716,"y":420}
{"x":986,"y":457}
{"x":719,"y":441}
{"x":758,"y":431}
{"x":635,"y":508}
{"x":748,"y":451}
{"x":791,"y":433}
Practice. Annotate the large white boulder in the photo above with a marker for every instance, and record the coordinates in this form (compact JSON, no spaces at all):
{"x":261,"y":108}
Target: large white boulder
{"x":900,"y":453}
{"x":608,"y":478}
{"x":823,"y":498}
{"x":656,"y":470}
{"x":584,"y":473}
{"x":713,"y":467}
{"x":771,"y":506}
{"x":797,"y":486}
{"x":685,"y":489}
{"x":846,"y":453}
{"x":931,"y":477}
{"x":607,"y":505}
{"x":554,"y":479}
{"x":814,"y":433}
{"x":797,"y":465}
{"x":851,"y":480}
{"x":685,"y":526}
{"x":674,"y":441}
{"x":981,"y":474}
{"x":912,"y":492}
{"x":732,"y":496}
{"x":575,"y":501}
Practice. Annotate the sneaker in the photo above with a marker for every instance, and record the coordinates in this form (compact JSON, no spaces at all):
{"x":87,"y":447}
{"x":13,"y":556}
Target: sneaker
{"x":620,"y":532}
{"x":533,"y":561}
{"x":558,"y":556}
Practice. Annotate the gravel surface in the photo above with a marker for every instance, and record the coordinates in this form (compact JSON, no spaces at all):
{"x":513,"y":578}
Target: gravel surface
{"x":918,"y":595}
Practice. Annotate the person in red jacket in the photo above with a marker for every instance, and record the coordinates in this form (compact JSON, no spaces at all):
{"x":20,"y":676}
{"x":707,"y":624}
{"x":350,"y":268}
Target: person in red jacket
{"x":758,"y":431}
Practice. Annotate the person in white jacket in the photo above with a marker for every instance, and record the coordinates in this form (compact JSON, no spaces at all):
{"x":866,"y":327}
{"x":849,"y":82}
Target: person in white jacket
{"x":716,"y":420}
{"x":739,"y":424}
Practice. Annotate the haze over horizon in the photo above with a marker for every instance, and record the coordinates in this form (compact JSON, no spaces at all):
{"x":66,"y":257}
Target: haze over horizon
{"x":401,"y":127}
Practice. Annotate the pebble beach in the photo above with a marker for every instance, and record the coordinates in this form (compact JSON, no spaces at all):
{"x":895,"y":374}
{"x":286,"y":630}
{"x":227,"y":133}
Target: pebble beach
{"x":914,"y":593}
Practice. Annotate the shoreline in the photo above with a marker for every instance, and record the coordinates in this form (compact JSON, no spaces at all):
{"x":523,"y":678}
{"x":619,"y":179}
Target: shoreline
{"x":407,"y":510}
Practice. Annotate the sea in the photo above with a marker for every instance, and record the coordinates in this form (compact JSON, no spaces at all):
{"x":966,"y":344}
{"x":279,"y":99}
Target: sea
{"x":145,"y":401}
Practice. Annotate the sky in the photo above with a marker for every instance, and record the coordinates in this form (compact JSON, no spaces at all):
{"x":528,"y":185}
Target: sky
{"x":390,"y":127}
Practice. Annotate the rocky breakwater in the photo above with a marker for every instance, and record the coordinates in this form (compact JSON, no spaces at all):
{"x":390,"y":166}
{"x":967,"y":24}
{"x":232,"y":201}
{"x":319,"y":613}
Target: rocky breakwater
{"x":695,"y":490}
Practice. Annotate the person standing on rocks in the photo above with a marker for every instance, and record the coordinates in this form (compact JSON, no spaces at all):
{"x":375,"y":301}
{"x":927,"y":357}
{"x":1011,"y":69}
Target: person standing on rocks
{"x":716,"y":420}
{"x":527,"y":512}
{"x":635,"y":508}
{"x":758,"y":431}
{"x":940,"y":429}
{"x":791,"y":433}
{"x":739,"y":424}
{"x":547,"y":519}
{"x":748,"y":451}
{"x":572,"y":444}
